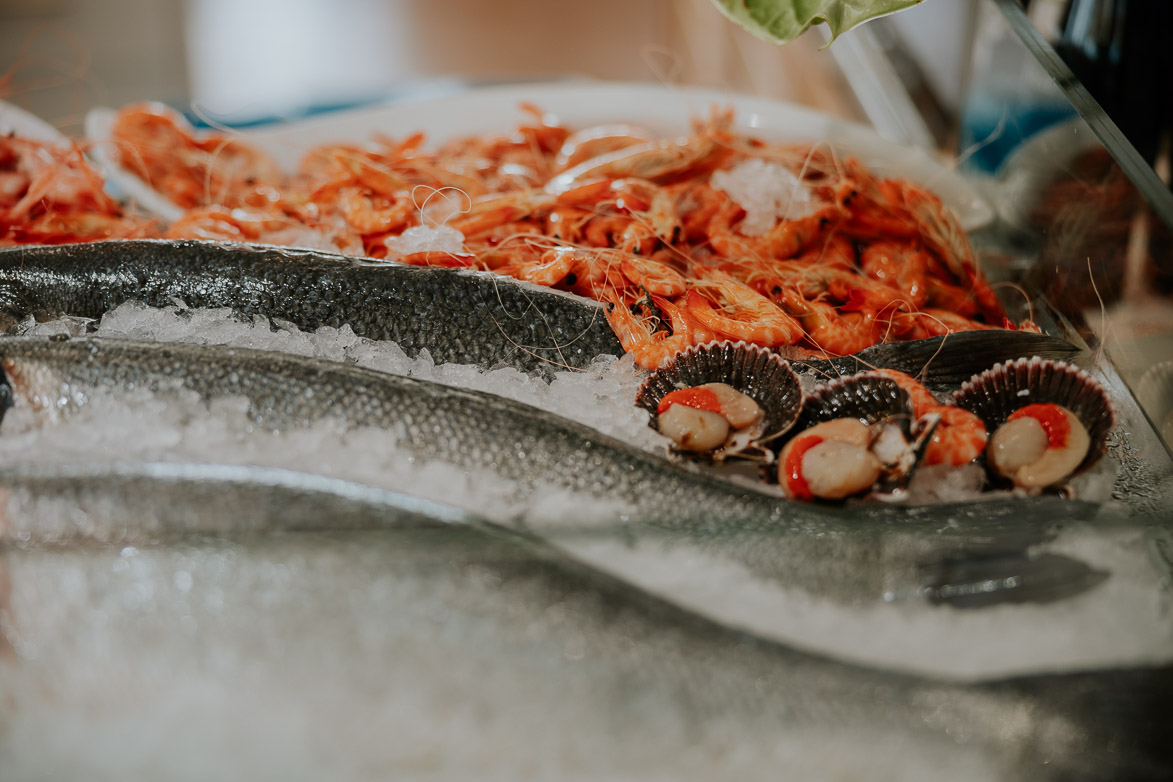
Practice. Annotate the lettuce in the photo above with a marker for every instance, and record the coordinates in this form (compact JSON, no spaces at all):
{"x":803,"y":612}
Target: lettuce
{"x":781,"y":21}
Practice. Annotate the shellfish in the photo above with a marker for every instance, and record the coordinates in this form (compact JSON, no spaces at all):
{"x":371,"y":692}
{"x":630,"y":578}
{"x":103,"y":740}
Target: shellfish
{"x":1049,"y":420}
{"x":855,"y":434}
{"x":722,"y":400}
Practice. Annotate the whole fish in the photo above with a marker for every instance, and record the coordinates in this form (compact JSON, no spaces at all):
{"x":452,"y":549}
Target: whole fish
{"x":402,"y":647}
{"x":664,"y":512}
{"x":457,"y":315}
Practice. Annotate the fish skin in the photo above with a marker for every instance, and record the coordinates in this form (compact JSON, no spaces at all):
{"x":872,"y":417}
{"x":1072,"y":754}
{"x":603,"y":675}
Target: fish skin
{"x":500,"y":321}
{"x":612,"y":682}
{"x":165,"y":502}
{"x":459,"y":316}
{"x":669,"y":510}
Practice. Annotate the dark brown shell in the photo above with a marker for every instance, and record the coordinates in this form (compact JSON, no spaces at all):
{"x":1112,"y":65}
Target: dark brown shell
{"x":996,"y":393}
{"x":755,"y":371}
{"x":868,"y":396}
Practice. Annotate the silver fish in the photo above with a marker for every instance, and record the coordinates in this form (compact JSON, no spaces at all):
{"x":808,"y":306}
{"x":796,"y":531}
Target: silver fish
{"x":403,"y":647}
{"x":458,"y":316}
{"x":667,"y":511}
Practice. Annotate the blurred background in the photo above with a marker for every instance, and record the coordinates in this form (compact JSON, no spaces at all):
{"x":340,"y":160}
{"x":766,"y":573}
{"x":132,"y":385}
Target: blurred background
{"x":258,"y":58}
{"x":1056,"y":110}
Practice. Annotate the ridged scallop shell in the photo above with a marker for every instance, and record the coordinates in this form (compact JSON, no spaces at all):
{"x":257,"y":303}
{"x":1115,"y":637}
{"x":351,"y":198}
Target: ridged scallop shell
{"x":996,"y":393}
{"x":867,"y":396}
{"x":870,"y":398}
{"x":755,"y":371}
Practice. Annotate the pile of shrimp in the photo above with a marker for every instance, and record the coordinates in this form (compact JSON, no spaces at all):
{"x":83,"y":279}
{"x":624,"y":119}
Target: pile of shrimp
{"x":50,"y":194}
{"x":670,"y":233}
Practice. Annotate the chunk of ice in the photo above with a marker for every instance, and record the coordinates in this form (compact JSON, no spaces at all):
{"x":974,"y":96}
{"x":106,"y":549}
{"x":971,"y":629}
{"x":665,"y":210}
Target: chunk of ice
{"x":766,"y":191}
{"x":419,"y":239}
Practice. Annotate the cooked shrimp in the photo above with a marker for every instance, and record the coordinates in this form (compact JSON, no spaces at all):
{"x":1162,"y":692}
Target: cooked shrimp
{"x":901,"y":265}
{"x":650,"y":349}
{"x":744,"y":313}
{"x":653,"y":160}
{"x":839,"y":334}
{"x":959,"y":438}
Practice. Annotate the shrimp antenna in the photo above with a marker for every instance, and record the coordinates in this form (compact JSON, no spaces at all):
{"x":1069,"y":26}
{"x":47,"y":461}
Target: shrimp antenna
{"x":1103,"y":311}
{"x":442,"y":192}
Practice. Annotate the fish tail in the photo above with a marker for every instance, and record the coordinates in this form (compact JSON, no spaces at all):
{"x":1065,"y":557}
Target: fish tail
{"x":982,"y":580}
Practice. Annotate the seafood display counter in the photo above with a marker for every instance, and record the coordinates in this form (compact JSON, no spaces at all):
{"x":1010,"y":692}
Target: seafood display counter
{"x":585,"y":431}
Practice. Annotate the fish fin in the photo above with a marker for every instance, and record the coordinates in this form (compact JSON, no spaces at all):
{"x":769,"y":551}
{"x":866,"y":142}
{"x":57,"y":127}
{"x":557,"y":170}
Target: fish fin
{"x":981,"y":580}
{"x":943,"y":363}
{"x":952,"y":359}
{"x":1126,"y":716}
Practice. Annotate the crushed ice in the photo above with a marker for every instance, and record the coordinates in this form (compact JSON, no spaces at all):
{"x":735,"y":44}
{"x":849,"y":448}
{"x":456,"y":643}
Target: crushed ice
{"x":766,"y":191}
{"x":419,"y":238}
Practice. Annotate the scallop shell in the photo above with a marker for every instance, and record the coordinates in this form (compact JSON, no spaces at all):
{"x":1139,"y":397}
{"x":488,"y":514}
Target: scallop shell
{"x":996,"y":393}
{"x":753,"y":370}
{"x":867,"y":396}
{"x":870,"y":398}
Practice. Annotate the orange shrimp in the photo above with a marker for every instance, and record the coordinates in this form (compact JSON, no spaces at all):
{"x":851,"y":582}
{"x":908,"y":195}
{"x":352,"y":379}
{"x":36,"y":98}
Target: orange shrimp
{"x":900,"y":209}
{"x":582,"y":145}
{"x":158,"y":146}
{"x":745,"y":314}
{"x":437,"y":258}
{"x":620,"y":232}
{"x":374,"y":214}
{"x":43,"y":176}
{"x":922,"y":398}
{"x":959,"y":438}
{"x":901,"y":265}
{"x":830,"y":331}
{"x":652,"y":160}
{"x":655,"y":277}
{"x":221,"y":223}
{"x":486,"y":214}
{"x":785,"y":240}
{"x":944,"y":296}
{"x":650,"y":349}
{"x":836,"y":251}
{"x":696,"y":203}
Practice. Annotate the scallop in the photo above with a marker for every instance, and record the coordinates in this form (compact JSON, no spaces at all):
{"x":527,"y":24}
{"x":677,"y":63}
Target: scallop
{"x":855,"y":434}
{"x":1049,"y":420}
{"x":753,"y":389}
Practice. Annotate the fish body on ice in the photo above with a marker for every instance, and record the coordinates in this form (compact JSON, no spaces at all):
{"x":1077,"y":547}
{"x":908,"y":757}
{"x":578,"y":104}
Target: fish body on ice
{"x":664,"y":510}
{"x":459,"y":316}
{"x":246,"y":636}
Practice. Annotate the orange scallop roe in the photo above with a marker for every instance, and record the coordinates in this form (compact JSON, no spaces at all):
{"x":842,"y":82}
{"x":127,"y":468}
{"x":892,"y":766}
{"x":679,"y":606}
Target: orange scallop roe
{"x":698,"y":398}
{"x":1052,"y":418}
{"x":796,"y":485}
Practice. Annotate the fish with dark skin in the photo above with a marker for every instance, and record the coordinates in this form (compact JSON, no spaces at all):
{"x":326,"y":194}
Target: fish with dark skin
{"x":459,"y":316}
{"x":462,"y":649}
{"x":662,"y":509}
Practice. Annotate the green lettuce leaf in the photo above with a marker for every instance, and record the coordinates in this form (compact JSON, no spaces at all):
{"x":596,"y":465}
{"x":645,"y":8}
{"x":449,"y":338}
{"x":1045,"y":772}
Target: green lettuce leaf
{"x":781,"y":21}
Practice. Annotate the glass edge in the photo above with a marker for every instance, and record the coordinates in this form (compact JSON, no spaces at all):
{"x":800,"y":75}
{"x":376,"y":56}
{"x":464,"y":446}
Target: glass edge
{"x":1155,"y":191}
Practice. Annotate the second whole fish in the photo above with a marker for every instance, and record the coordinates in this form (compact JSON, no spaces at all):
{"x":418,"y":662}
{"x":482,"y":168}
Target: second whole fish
{"x":662,"y":511}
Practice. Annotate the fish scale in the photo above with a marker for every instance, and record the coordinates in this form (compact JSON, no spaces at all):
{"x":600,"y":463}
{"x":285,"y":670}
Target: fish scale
{"x":665,"y":510}
{"x":457,"y":315}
